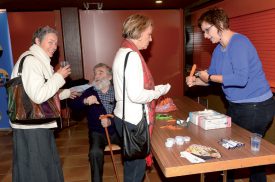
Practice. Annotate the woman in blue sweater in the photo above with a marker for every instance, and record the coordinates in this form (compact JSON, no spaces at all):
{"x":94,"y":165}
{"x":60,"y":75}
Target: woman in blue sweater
{"x":236,"y":65}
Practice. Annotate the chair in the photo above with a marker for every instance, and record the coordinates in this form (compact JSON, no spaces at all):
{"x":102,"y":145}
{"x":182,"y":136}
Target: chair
{"x":203,"y":101}
{"x":65,"y":113}
{"x":114,"y":148}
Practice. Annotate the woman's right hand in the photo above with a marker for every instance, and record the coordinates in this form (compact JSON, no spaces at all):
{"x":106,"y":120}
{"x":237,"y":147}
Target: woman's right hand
{"x":65,"y":71}
{"x":74,"y":94}
{"x":190,"y":81}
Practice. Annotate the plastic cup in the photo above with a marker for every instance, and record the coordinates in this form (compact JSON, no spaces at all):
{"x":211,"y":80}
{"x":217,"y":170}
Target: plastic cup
{"x":186,"y":139}
{"x":169,"y":144}
{"x":64,"y":63}
{"x":179,"y":140}
{"x":171,"y":140}
{"x":255,"y":142}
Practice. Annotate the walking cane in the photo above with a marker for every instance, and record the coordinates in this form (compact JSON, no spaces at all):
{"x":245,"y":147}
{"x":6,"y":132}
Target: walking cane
{"x":109,"y":143}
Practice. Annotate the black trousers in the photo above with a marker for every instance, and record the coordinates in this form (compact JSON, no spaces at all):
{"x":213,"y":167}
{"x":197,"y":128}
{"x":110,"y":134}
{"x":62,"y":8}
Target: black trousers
{"x":98,"y":141}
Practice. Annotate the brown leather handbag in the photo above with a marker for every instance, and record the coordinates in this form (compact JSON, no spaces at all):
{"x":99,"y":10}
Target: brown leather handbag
{"x":22,"y":110}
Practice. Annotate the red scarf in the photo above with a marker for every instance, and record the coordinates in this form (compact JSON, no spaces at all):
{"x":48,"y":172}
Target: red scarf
{"x":149,"y":85}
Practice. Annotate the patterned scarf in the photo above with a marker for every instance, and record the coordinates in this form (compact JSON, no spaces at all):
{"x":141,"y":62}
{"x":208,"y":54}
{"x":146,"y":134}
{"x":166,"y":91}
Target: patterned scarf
{"x":149,"y":85}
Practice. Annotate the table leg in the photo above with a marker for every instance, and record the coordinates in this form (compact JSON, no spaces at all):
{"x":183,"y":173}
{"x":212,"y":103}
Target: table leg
{"x":224,"y":178}
{"x":67,"y":113}
{"x":202,"y":177}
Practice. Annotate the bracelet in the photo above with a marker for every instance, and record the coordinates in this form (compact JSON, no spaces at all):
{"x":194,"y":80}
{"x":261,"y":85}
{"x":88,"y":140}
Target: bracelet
{"x":197,"y":75}
{"x":209,"y":78}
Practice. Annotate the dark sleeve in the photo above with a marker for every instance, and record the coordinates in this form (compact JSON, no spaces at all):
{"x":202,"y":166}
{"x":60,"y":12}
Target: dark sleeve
{"x":78,"y":103}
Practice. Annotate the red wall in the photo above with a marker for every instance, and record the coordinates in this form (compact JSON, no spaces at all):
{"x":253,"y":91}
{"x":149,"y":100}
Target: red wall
{"x":101,"y":38}
{"x":23,"y":24}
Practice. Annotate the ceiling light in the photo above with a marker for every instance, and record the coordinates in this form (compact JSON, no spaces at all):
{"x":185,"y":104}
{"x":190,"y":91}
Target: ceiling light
{"x":158,"y":1}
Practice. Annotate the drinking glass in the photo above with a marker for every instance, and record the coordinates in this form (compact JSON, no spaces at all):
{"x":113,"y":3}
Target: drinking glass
{"x":255,"y":142}
{"x":64,"y":63}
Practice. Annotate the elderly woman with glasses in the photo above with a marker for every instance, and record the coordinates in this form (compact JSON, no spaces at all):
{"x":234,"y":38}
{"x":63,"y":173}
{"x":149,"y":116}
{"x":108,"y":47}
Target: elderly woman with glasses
{"x":236,"y":65}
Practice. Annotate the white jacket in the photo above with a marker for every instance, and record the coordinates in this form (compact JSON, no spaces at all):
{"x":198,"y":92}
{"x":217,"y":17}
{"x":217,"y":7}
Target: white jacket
{"x":135,"y":95}
{"x":36,"y":69}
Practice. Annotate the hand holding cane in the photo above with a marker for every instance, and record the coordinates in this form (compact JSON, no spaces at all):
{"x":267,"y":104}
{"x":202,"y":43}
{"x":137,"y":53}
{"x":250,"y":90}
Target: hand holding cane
{"x":109,"y":142}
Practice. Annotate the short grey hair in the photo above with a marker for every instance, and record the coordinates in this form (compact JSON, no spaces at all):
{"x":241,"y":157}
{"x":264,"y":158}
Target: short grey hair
{"x":109,"y":69}
{"x":41,"y":32}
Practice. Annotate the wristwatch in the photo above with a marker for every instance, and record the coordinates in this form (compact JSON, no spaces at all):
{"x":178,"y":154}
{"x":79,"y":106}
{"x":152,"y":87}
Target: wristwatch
{"x":197,"y":75}
{"x":209,"y":78}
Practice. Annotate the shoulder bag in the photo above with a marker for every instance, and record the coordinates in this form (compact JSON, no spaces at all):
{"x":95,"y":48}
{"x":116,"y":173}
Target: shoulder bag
{"x":22,"y":110}
{"x":136,"y":143}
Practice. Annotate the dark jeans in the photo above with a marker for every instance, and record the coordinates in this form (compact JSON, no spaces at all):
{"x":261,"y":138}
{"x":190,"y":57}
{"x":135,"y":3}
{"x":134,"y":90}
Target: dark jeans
{"x":98,"y":141}
{"x":134,"y":170}
{"x":256,"y":118}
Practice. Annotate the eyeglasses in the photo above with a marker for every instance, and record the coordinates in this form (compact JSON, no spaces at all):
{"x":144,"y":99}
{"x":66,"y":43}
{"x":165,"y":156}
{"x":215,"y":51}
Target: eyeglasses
{"x":207,"y":30}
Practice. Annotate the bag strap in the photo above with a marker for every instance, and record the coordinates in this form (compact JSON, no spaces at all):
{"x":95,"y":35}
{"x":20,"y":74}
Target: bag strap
{"x":20,"y":68}
{"x":124,"y":89}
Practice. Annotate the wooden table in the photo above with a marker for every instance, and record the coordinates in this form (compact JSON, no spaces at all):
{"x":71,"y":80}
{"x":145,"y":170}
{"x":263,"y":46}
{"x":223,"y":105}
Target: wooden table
{"x":173,"y":165}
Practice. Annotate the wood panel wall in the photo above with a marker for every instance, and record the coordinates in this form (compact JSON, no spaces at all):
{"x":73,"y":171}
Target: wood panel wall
{"x":260,"y":29}
{"x":72,"y":44}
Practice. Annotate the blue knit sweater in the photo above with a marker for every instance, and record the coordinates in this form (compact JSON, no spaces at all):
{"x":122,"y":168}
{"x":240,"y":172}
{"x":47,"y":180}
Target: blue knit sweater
{"x":241,"y":68}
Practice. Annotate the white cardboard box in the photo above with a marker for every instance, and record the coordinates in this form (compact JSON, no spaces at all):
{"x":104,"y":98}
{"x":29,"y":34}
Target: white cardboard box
{"x":215,"y":122}
{"x":195,"y":116}
{"x":209,"y":119}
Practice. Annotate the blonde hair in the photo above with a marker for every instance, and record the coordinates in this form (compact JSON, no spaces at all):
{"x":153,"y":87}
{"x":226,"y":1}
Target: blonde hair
{"x":134,"y":25}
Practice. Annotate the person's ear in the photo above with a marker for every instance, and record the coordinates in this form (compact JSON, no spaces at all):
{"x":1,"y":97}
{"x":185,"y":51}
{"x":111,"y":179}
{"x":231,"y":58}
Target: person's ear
{"x":37,"y":41}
